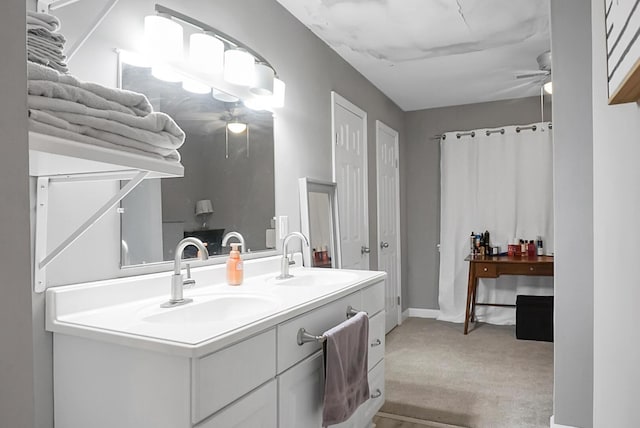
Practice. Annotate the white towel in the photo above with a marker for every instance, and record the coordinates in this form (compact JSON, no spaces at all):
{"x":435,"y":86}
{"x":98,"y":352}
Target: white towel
{"x":48,"y":58}
{"x":109,"y":137}
{"x":48,"y":129}
{"x":61,"y":91}
{"x":43,"y":20}
{"x":346,"y":384}
{"x":45,"y":34}
{"x":137,"y":102}
{"x":156,"y":128}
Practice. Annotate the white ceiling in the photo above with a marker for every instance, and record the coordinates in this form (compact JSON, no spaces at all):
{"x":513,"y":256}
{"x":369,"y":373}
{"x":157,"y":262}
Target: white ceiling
{"x":434,"y":53}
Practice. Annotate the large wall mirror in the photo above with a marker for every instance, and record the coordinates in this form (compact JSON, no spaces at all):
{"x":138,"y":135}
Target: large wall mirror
{"x":228,"y":183}
{"x":319,"y":221}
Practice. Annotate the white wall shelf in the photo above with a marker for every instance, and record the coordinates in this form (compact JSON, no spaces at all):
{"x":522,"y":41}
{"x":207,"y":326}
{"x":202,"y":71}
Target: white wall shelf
{"x":54,"y":159}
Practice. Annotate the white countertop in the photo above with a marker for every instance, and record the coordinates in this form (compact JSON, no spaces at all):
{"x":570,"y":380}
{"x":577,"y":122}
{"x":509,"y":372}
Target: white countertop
{"x":127,"y":311}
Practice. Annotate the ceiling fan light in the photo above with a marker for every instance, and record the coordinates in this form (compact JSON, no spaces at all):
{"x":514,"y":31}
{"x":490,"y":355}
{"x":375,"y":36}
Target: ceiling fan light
{"x":278,"y":93}
{"x":162,"y":38}
{"x":263,"y":80}
{"x":239,"y":67}
{"x":548,"y":87}
{"x":236,"y":127}
{"x":206,"y":53}
{"x":195,"y":87}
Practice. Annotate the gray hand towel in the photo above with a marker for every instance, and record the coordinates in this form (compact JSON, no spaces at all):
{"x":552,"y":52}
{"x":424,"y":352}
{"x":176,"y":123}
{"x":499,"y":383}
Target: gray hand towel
{"x":346,"y":384}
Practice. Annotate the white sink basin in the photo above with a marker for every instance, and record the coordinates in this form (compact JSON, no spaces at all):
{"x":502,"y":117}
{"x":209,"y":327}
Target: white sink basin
{"x":213,"y":309}
{"x":315,"y":277}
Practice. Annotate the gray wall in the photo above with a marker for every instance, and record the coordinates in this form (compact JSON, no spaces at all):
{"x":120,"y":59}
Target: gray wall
{"x":616,"y":210}
{"x":422,"y":178}
{"x":16,"y":333}
{"x":573,"y":208}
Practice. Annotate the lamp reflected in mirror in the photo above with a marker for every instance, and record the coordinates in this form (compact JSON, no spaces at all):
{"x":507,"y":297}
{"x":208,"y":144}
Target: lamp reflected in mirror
{"x":204,"y":208}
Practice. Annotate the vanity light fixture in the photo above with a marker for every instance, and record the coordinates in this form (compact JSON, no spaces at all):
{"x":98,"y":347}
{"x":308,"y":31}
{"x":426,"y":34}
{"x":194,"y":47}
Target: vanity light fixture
{"x":212,"y":55}
{"x":263,"y":80}
{"x":163,"y":38}
{"x":223,"y":96}
{"x":194,"y":86}
{"x":239,"y":67}
{"x":206,"y":53}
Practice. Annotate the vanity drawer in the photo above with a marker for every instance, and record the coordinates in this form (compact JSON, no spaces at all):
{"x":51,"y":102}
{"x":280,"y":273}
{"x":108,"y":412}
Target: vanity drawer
{"x":373,"y":298}
{"x":376,"y":391}
{"x":215,"y":385}
{"x":315,"y":322}
{"x":257,"y":410}
{"x":486,"y":270}
{"x":376,"y":339}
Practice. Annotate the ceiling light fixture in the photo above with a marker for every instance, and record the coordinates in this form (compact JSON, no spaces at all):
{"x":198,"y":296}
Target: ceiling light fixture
{"x":237,"y":127}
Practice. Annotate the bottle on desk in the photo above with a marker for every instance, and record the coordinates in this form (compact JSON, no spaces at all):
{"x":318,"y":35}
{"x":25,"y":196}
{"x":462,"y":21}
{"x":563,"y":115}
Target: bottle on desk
{"x":531,"y":249}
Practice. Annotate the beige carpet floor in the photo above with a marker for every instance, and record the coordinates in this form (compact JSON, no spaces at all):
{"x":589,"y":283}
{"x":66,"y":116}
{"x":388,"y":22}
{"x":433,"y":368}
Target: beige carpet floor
{"x":486,"y":379}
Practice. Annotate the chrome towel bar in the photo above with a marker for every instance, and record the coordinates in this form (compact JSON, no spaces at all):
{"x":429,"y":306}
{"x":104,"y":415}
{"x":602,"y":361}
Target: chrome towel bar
{"x":306,"y":337}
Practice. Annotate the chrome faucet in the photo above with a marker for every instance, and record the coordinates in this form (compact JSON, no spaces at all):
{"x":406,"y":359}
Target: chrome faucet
{"x":177,"y":282}
{"x":234,"y":235}
{"x":284,"y":263}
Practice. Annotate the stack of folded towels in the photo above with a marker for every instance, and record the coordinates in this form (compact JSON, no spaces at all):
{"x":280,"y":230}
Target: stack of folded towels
{"x":44,"y":44}
{"x":63,"y":106}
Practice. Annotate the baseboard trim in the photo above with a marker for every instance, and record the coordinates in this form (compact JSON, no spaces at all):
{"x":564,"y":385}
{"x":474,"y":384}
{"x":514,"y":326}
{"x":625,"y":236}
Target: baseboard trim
{"x":552,"y":424}
{"x":430,"y":424}
{"x":420,"y":313}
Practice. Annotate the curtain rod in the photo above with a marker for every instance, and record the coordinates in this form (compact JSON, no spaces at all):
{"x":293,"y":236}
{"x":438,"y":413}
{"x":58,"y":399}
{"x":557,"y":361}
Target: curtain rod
{"x":489,"y":132}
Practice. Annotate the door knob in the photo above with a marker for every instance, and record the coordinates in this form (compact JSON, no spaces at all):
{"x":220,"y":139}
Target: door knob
{"x":364,"y":250}
{"x":384,"y":244}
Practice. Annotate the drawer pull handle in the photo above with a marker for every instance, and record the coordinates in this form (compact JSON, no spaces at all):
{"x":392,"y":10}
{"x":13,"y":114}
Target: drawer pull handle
{"x":486,"y":269}
{"x":531,"y":268}
{"x":351,"y":311}
{"x":376,"y":394}
{"x":375,"y":343}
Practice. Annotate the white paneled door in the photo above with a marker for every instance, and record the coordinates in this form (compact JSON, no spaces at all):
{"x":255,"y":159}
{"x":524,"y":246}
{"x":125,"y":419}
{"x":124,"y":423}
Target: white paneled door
{"x":389,"y":219}
{"x":349,"y":126}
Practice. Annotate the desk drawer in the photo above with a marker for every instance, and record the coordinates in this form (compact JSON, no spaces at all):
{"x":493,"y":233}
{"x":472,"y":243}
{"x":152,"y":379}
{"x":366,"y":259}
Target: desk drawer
{"x":486,"y":270}
{"x":532,"y":269}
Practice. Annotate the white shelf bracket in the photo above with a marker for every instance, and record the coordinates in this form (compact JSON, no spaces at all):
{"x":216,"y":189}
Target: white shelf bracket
{"x":42,"y":207}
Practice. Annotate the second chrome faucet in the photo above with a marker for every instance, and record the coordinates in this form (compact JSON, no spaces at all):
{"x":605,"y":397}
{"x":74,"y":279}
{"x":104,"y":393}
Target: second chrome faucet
{"x":284,"y":263}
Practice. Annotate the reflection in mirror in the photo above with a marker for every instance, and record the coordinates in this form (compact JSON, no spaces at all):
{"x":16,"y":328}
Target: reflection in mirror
{"x":228,"y":182}
{"x":319,"y":220}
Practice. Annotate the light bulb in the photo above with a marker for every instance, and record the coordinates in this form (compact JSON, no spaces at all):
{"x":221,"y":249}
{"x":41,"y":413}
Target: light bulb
{"x":239,"y":67}
{"x":206,"y":53}
{"x":236,"y":127}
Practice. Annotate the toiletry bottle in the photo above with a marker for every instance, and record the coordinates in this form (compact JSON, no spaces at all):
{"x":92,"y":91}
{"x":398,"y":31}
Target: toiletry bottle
{"x":540,"y":249}
{"x":235,"y":271}
{"x":531,"y":249}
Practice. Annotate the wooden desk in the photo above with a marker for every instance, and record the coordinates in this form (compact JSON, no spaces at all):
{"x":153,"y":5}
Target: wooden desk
{"x":493,"y":267}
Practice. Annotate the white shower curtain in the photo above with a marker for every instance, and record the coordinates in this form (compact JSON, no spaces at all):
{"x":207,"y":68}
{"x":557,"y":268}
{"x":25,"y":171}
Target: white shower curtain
{"x":502,"y":183}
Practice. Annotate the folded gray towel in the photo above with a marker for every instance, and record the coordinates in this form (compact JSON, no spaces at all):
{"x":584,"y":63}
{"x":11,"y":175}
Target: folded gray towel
{"x":49,"y":125}
{"x":346,"y":385}
{"x":156,"y":128}
{"x":46,"y":44}
{"x":43,"y":33}
{"x":34,"y":57}
{"x":136,"y":102}
{"x":43,"y":19}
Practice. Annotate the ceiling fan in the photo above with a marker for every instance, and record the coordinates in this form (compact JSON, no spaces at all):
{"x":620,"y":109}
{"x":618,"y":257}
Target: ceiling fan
{"x":542,"y":76}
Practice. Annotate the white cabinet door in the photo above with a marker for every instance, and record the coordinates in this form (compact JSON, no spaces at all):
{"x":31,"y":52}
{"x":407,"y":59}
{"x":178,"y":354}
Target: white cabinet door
{"x":255,"y":410}
{"x":300,"y":391}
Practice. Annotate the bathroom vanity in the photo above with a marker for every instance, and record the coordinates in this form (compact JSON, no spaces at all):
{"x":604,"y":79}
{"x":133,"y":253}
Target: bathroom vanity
{"x":231,"y":358}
